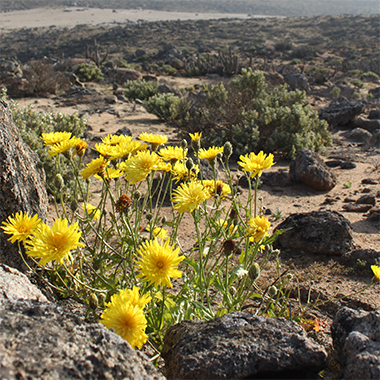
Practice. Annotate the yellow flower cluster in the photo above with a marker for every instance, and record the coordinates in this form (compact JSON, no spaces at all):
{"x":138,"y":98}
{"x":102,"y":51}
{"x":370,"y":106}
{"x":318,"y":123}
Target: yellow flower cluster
{"x":255,"y":164}
{"x":125,"y":315}
{"x":42,"y":241}
{"x":257,"y":229}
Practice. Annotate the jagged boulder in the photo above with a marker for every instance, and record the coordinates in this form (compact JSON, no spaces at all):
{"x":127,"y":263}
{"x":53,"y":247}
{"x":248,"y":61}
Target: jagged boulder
{"x":356,"y":337}
{"x":318,"y":232}
{"x":309,"y":168}
{"x":22,"y":188}
{"x":341,"y":113}
{"x":241,"y":346}
{"x":41,"y":340}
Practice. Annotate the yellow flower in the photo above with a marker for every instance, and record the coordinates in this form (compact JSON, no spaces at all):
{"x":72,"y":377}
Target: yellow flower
{"x":210,"y":153}
{"x":109,"y":173}
{"x":126,"y":319}
{"x":63,"y":146}
{"x":158,"y":262}
{"x":53,"y":243}
{"x":139,"y":166}
{"x":180,"y":172}
{"x":376,"y":272}
{"x":20,"y":226}
{"x":189,"y":196}
{"x":159,"y":233}
{"x":256,"y":163}
{"x":96,"y":166}
{"x":133,"y":297}
{"x":116,"y":139}
{"x":257,"y":229}
{"x":107,"y":151}
{"x":92,"y":211}
{"x":172,"y":153}
{"x":222,"y":189}
{"x":80,"y":148}
{"x":154,"y":140}
{"x":232,"y":229}
{"x":55,"y":137}
{"x":196,"y":136}
{"x":125,"y":149}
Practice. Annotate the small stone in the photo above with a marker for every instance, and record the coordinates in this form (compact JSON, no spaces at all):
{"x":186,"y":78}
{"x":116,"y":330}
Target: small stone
{"x":356,"y":208}
{"x":347,"y":165}
{"x":369,"y":181}
{"x":368,"y":199}
{"x":333,"y":163}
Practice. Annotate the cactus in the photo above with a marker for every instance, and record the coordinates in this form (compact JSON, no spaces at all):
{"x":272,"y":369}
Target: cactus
{"x":93,"y":54}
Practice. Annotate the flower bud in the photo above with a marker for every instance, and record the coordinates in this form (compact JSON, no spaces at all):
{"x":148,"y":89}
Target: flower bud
{"x":183,"y":144}
{"x":101,"y":298}
{"x":272,"y":291}
{"x":59,"y":182}
{"x":254,"y":272}
{"x":219,"y":155}
{"x":227,"y":150}
{"x":163,"y":220}
{"x":137,"y":195}
{"x":73,"y":205}
{"x":189,"y":164}
{"x":228,"y":246}
{"x":149,"y":216}
{"x":93,"y":301}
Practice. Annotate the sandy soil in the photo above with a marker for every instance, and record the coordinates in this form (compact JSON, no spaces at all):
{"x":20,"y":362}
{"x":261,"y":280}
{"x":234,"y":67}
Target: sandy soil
{"x":70,"y":17}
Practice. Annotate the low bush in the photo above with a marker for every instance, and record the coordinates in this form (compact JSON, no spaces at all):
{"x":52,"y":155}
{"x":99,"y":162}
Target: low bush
{"x":140,"y":89}
{"x":252,"y":117}
{"x":164,"y":106}
{"x":87,"y":73}
{"x":31,"y":125}
{"x":370,"y":76}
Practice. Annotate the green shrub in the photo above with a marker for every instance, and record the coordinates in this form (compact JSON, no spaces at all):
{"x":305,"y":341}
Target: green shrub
{"x":140,"y":89}
{"x":354,"y":73}
{"x":87,"y":73}
{"x":252,"y":117}
{"x":164,"y":106}
{"x":335,"y":92}
{"x":369,"y":75}
{"x":31,"y":125}
{"x":356,"y":95}
{"x":131,"y":66}
{"x":357,"y":83}
{"x":167,"y":70}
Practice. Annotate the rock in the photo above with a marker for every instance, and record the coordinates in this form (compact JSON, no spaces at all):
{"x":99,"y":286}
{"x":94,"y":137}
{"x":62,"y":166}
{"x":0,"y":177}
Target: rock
{"x":360,"y":134}
{"x":309,"y":168}
{"x":374,"y":215}
{"x":318,"y":232}
{"x":356,"y":337}
{"x":176,"y":63}
{"x":123,"y":131}
{"x":368,"y":199}
{"x":122,"y":75}
{"x":347,"y":165}
{"x":150,"y":78}
{"x":42,"y":340}
{"x":374,"y":114}
{"x":333,"y":163}
{"x":356,"y":208}
{"x":273,"y":79}
{"x":297,"y":81}
{"x":278,"y":179}
{"x":22,"y":188}
{"x":240,"y":346}
{"x":370,"y":125}
{"x":375,"y":140}
{"x":166,"y":89}
{"x":375,"y":92}
{"x":16,"y":286}
{"x":369,"y":256}
{"x":141,"y":52}
{"x":369,"y":181}
{"x":341,"y":113}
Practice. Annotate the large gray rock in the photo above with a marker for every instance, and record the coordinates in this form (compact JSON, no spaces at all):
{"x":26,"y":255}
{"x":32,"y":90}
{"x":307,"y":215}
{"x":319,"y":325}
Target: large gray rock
{"x":22,"y":188}
{"x":341,"y":113}
{"x":309,"y":168}
{"x":317,"y":232}
{"x":356,"y":337}
{"x":40,"y":340}
{"x":240,"y":346}
{"x":297,"y":81}
{"x":16,"y":286}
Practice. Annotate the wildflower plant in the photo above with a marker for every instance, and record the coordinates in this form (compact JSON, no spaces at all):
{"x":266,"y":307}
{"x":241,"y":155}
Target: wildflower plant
{"x":127,"y":261}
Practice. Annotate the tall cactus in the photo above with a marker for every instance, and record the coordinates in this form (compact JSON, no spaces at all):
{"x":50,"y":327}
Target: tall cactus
{"x":93,"y":54}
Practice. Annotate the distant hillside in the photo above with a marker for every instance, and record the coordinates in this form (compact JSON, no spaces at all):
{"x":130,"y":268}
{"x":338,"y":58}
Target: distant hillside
{"x":257,"y":7}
